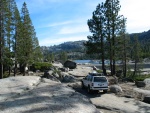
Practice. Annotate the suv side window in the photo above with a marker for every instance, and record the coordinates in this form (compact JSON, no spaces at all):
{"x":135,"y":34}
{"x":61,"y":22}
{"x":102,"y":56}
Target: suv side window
{"x":89,"y":78}
{"x":86,"y":77}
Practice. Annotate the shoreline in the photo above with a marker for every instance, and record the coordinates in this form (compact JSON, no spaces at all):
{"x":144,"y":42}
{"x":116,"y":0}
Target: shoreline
{"x":131,"y":65}
{"x":145,"y":68}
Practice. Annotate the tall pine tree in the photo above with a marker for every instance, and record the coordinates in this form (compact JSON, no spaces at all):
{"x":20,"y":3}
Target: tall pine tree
{"x":17,"y":35}
{"x":136,"y":50}
{"x":95,"y":43}
{"x":113,"y":26}
{"x":24,"y":42}
{"x":9,"y":31}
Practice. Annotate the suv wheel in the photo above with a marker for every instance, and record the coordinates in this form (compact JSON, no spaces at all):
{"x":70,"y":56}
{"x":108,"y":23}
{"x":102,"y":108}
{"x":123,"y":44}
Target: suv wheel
{"x":89,"y":90}
{"x":83,"y":87}
{"x":105,"y":91}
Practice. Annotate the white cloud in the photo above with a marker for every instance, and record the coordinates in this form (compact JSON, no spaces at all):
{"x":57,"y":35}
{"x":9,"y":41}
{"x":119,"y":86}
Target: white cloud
{"x":74,"y":29}
{"x":137,"y":13}
{"x":61,"y":23}
{"x":55,"y":24}
{"x":54,"y":41}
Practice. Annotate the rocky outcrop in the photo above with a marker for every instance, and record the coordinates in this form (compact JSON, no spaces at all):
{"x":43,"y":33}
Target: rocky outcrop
{"x":115,"y":89}
{"x":46,"y":96}
{"x":68,"y":78}
{"x":59,"y":76}
{"x":147,"y":82}
{"x":120,"y":104}
{"x":49,"y":75}
{"x":70,"y":64}
{"x":64,"y":69}
{"x":140,"y":83}
{"x":141,"y":94}
{"x":146,"y":99}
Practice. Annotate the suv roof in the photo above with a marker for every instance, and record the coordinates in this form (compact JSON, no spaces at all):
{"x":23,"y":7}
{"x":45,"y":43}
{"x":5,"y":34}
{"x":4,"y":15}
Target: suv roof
{"x":96,"y":74}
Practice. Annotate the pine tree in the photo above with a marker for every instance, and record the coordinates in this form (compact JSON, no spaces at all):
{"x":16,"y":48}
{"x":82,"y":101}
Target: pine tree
{"x":37,"y":54}
{"x":17,"y":32}
{"x":63,"y":56}
{"x":9,"y":31}
{"x":136,"y":50}
{"x":95,"y":43}
{"x":113,"y":28}
{"x":3,"y":18}
{"x":24,"y":42}
{"x":125,"y":46}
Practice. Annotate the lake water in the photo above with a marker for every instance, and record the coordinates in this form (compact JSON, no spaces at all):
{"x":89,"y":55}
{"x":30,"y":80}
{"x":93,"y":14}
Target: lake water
{"x":87,"y":61}
{"x":107,"y":62}
{"x":97,"y":63}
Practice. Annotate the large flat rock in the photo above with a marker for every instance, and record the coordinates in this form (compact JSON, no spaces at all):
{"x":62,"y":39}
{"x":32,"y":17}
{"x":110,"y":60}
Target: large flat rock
{"x":122,"y":104}
{"x":12,"y":86}
{"x":45,"y":96}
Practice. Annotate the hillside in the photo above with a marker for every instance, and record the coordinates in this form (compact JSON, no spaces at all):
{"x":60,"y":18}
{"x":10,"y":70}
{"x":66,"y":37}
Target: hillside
{"x":142,"y":36}
{"x":68,"y":46}
{"x":76,"y":49}
{"x":78,"y":45}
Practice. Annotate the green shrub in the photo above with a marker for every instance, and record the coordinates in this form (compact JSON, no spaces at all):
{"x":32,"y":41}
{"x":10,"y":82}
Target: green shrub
{"x":129,"y":73}
{"x":141,"y":77}
{"x":42,"y":66}
{"x":99,"y":71}
{"x":6,"y":75}
{"x":57,"y":71}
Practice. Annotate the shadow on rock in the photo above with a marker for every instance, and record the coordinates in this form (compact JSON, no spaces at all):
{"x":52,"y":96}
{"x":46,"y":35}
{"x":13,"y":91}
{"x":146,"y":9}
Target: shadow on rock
{"x":93,"y":94}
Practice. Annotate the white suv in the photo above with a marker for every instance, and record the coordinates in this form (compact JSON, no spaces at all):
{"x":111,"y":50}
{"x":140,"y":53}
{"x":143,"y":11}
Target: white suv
{"x":95,"y":81}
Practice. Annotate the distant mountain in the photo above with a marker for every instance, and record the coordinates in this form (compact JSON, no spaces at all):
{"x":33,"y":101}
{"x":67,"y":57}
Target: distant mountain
{"x":68,"y":46}
{"x":79,"y":46}
{"x":144,"y":36}
{"x":76,"y":49}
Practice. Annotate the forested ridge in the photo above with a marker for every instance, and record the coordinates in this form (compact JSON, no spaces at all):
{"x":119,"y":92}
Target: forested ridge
{"x":78,"y":46}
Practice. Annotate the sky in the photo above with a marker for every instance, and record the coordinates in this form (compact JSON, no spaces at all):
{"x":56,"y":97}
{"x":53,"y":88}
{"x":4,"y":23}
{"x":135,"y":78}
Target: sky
{"x":59,"y":21}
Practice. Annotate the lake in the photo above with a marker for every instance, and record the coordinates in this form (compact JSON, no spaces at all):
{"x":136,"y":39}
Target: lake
{"x":98,"y":63}
{"x":87,"y":61}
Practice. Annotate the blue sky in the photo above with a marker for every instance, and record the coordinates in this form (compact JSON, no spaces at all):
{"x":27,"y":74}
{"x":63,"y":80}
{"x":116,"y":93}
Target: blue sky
{"x":58,"y":21}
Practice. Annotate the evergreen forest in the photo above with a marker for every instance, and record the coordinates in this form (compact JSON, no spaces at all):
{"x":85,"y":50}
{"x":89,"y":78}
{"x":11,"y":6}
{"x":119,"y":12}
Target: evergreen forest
{"x":18,"y":42}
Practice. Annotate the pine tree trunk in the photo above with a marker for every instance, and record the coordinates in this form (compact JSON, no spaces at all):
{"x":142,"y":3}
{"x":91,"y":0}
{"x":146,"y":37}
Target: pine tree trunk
{"x":24,"y":71}
{"x":135,"y":68}
{"x":114,"y":67}
{"x":1,"y":64}
{"x":113,"y":41}
{"x":15,"y":68}
{"x":125,"y":60}
{"x":125,"y":68}
{"x":103,"y":65}
{"x":102,"y":57}
{"x":1,"y":44}
{"x":1,"y":71}
{"x":110,"y":53}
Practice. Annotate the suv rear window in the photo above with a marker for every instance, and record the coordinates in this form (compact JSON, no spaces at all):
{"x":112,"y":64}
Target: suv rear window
{"x":100,"y":79}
